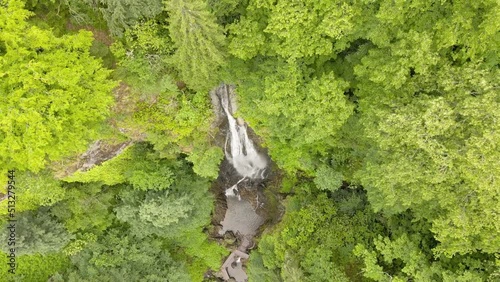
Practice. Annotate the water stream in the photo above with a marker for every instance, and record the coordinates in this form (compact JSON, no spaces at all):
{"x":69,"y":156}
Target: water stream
{"x":250,"y":166}
{"x":242,"y":154}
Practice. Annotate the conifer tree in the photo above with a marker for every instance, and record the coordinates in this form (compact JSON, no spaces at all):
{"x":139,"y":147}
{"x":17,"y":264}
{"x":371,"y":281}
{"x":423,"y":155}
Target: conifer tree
{"x":199,"y":41}
{"x":37,"y":233}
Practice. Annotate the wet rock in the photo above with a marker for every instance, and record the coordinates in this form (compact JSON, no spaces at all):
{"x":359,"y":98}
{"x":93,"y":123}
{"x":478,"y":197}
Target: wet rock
{"x":215,"y":94}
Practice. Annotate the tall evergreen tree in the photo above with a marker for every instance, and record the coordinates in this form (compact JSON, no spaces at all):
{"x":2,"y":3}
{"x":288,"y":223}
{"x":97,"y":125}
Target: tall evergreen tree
{"x":37,"y":233}
{"x":120,"y":15}
{"x":117,"y":256}
{"x":199,"y":42}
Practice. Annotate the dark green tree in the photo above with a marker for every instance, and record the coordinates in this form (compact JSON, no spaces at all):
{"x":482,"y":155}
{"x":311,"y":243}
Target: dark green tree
{"x":37,"y":233}
{"x":117,"y":255}
{"x":87,"y":207}
{"x":119,"y":15}
{"x":199,"y":43}
{"x":184,"y":206}
{"x":315,"y":239}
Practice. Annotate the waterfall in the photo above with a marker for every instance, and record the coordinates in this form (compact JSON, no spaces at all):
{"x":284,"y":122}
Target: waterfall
{"x":242,"y":154}
{"x":242,"y":216}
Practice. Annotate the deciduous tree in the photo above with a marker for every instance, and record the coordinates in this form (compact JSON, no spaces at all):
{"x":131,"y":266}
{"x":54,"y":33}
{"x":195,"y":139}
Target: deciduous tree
{"x":53,"y":94}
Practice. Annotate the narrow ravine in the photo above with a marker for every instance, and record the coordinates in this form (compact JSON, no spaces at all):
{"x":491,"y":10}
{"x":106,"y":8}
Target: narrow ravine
{"x":242,"y":174}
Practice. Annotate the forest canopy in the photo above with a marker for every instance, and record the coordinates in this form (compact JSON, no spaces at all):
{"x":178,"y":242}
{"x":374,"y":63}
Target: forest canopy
{"x":381,"y":119}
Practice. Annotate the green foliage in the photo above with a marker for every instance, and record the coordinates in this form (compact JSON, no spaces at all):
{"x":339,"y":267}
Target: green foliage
{"x":206,"y":161}
{"x":161,"y":211}
{"x":110,"y":172}
{"x":327,"y":179}
{"x":86,"y":208}
{"x":175,"y":121}
{"x":53,"y":93}
{"x":119,"y":15}
{"x":154,"y":177}
{"x":61,"y":16}
{"x":101,"y":50}
{"x":146,"y":171}
{"x":34,"y":267}
{"x":116,"y":256}
{"x":75,"y":246}
{"x":406,"y":255}
{"x":185,"y":205}
{"x":51,"y":15}
{"x":137,"y":165}
{"x":258,"y":272}
{"x":443,"y":140}
{"x":399,"y":98}
{"x":227,"y":11}
{"x":171,"y":203}
{"x":156,"y":223}
{"x":293,"y":249}
{"x":295,"y":29}
{"x":144,"y":55}
{"x":417,"y":126}
{"x":181,"y":123}
{"x":37,"y":234}
{"x":292,"y":100}
{"x":283,"y":107}
{"x":34,"y":190}
{"x":199,"y":43}
{"x":199,"y":252}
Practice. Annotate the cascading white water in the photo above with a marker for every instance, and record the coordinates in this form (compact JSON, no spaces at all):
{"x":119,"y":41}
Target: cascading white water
{"x":242,"y":154}
{"x":241,"y":216}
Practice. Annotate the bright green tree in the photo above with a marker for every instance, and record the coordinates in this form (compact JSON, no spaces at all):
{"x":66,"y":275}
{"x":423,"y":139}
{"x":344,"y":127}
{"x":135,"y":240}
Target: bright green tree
{"x":298,"y":114}
{"x":180,"y":123}
{"x":431,"y":138}
{"x":143,"y":58}
{"x":35,"y":267}
{"x":53,"y":94}
{"x":173,"y":117}
{"x":34,"y":190}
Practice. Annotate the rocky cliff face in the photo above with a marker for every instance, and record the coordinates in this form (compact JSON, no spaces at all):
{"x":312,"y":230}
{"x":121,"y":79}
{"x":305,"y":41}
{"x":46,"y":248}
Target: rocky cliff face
{"x":97,"y":153}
